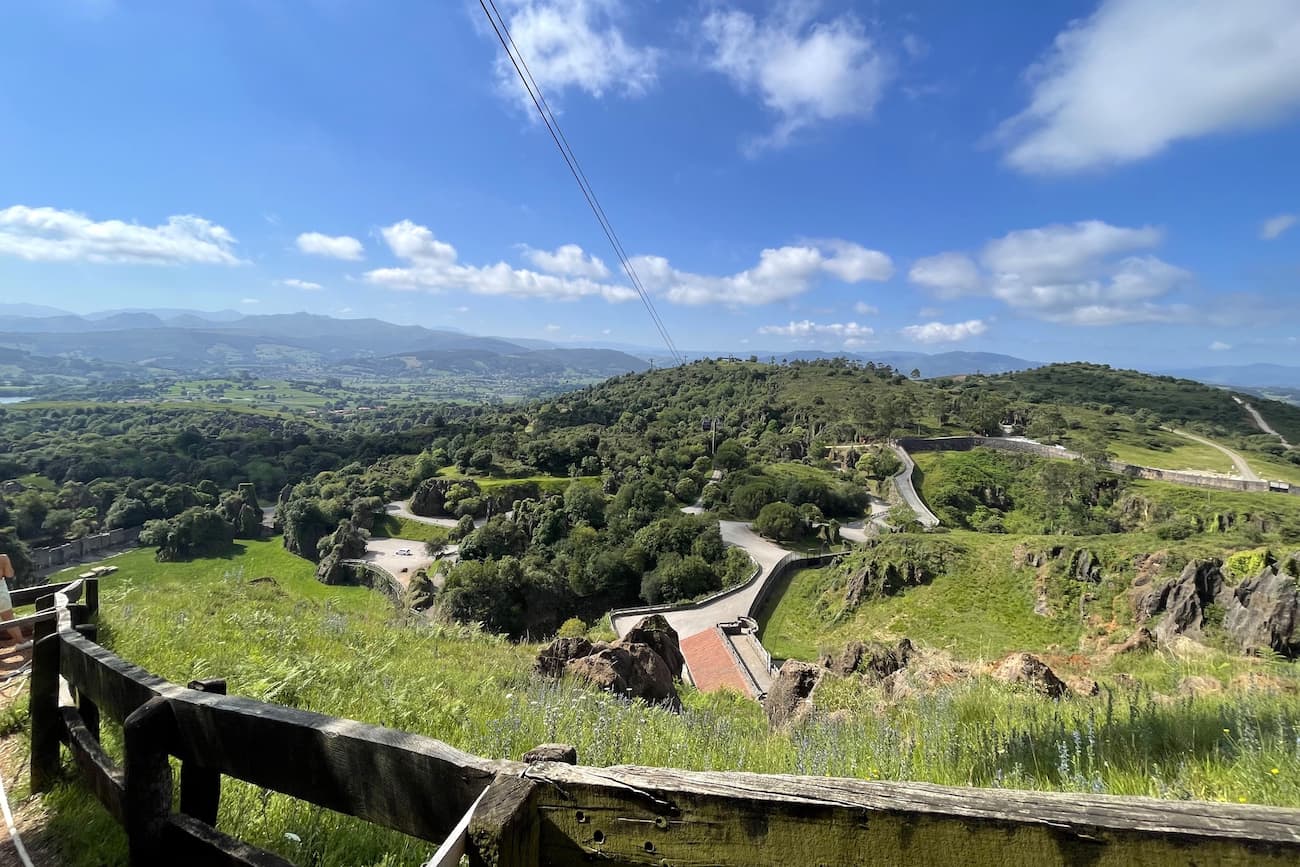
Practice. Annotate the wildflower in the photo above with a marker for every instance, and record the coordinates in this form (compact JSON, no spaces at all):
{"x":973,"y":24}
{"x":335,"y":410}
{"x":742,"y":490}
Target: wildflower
{"x":292,"y":837}
{"x":1241,"y":800}
{"x":1227,"y":731}
{"x":1275,"y":772}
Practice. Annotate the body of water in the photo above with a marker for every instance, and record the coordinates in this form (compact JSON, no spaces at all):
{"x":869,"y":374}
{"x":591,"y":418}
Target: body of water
{"x":18,"y":399}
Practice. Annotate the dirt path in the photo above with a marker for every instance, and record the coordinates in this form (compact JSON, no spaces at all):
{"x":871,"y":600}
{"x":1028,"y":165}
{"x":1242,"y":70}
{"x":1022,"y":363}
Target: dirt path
{"x":1259,"y":421}
{"x":1243,"y":468}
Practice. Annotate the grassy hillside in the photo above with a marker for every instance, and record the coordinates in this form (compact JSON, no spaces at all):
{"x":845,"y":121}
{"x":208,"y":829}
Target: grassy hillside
{"x":344,"y":651}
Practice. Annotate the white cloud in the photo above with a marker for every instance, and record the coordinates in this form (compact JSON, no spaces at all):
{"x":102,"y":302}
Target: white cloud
{"x":432,"y":265}
{"x":862,"y":308}
{"x":940,"y":332}
{"x":573,"y":45}
{"x":568,"y":260}
{"x":948,"y":274}
{"x":1273,"y":227}
{"x":1139,"y":75}
{"x":461,"y":309}
{"x":1220,"y":346}
{"x":52,"y":235}
{"x":305,"y":285}
{"x":553,"y":328}
{"x":334,"y":247}
{"x":804,"y":71}
{"x":781,"y":273}
{"x":929,"y":312}
{"x":1085,"y":273}
{"x":249,"y":301}
{"x":850,"y":332}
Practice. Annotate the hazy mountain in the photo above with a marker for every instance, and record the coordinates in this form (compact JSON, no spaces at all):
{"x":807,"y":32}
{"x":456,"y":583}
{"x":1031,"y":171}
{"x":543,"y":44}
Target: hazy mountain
{"x":30,"y":310}
{"x":171,"y":313}
{"x":595,"y":363}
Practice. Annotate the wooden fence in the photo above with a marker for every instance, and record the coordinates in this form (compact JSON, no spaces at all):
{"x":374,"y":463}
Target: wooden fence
{"x":511,"y":813}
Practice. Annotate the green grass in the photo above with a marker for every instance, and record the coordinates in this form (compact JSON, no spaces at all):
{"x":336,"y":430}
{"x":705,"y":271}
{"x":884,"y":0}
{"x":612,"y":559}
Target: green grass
{"x":547,"y":483}
{"x":982,"y":609}
{"x":1186,"y":455}
{"x":397,"y":527}
{"x":347,"y":652}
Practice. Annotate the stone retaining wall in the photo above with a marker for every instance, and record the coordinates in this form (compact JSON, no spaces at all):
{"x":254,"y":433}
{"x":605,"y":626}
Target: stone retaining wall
{"x":965,"y":444}
{"x":83,"y":548}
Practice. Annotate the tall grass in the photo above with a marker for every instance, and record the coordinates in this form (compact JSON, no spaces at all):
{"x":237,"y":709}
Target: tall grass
{"x":344,"y":651}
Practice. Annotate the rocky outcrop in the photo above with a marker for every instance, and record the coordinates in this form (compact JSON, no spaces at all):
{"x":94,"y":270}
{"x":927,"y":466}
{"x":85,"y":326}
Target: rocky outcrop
{"x":1084,"y":566}
{"x":1198,"y":684}
{"x":1029,"y":670}
{"x":875,"y":660}
{"x":629,"y":667}
{"x":789,"y":700}
{"x":555,"y":656}
{"x":1264,"y":614}
{"x":655,"y":631}
{"x":875,"y":580}
{"x":1183,"y":600}
{"x":430,"y":496}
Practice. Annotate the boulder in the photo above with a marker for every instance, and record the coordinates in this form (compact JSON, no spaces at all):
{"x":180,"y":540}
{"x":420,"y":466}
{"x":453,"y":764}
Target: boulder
{"x":1267,"y":684}
{"x":1027,"y":669}
{"x":552,"y":753}
{"x":1140,"y":640}
{"x":1199,"y":684}
{"x":876,"y":660}
{"x":655,"y":631}
{"x":789,"y":699}
{"x":552,"y":658}
{"x":628,"y":669}
{"x":1084,"y":686}
{"x":1264,"y":614}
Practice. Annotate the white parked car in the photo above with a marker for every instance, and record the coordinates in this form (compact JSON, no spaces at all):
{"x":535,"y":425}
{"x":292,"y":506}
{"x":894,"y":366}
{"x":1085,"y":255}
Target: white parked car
{"x":404,"y":552}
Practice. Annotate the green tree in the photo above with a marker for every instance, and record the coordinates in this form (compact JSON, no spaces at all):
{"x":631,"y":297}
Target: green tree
{"x":779,"y":521}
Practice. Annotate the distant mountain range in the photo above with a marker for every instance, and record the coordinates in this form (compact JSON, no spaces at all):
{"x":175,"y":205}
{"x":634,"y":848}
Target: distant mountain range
{"x":132,"y":343}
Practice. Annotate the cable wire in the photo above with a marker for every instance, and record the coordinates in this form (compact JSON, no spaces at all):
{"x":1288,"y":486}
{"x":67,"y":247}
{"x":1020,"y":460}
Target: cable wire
{"x":575,"y":167}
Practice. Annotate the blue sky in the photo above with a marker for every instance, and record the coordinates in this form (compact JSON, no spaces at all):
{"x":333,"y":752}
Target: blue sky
{"x":1114,"y":181}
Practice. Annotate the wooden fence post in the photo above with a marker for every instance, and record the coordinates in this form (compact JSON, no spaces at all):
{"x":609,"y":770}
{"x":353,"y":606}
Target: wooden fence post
{"x":505,"y":830}
{"x":147,"y":801}
{"x":91,"y":596}
{"x":200,"y":786}
{"x":43,"y":703}
{"x":88,"y":709}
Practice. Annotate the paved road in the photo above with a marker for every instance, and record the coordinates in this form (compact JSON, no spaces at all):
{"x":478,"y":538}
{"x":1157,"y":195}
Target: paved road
{"x":859,"y":531}
{"x":730,"y":606}
{"x":1259,"y":421}
{"x":383,"y":553}
{"x":400,"y":509}
{"x":903,"y":483}
{"x":1243,"y":468}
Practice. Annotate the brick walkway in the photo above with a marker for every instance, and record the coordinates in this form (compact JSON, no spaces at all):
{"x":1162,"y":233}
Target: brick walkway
{"x":712,"y":665}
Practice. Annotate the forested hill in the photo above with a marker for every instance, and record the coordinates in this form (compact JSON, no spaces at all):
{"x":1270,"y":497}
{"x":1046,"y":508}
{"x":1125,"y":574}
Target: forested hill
{"x":1169,"y":398}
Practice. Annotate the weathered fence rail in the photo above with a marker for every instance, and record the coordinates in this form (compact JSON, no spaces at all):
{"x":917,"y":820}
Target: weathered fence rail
{"x":511,"y":813}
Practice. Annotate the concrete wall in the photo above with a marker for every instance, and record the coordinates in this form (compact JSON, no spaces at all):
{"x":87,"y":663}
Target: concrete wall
{"x":84,"y":548}
{"x":964,"y":444}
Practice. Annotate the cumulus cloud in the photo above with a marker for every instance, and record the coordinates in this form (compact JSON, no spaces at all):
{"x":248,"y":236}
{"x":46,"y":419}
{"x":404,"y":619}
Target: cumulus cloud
{"x":1273,"y":227}
{"x":1139,"y":75}
{"x":1085,"y":273}
{"x":51,"y":235}
{"x":941,"y":332}
{"x":862,"y":308}
{"x":947,"y":274}
{"x":305,"y":285}
{"x":781,"y":273}
{"x":333,"y":247}
{"x":433,"y":265}
{"x":568,"y":260}
{"x":851,"y":333}
{"x":1220,"y":346}
{"x":250,"y":301}
{"x":573,"y":45}
{"x":804,"y":71}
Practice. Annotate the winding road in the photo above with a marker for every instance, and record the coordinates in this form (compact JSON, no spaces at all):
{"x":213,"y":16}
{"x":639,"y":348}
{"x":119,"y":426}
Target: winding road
{"x":1243,"y":468}
{"x":1259,"y":421}
{"x":728,"y":606}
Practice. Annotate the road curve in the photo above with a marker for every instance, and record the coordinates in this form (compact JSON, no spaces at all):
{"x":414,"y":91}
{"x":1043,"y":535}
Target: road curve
{"x":907,"y":490}
{"x":728,"y":606}
{"x":399,"y":508}
{"x":1259,"y":421}
{"x":1243,"y":468}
